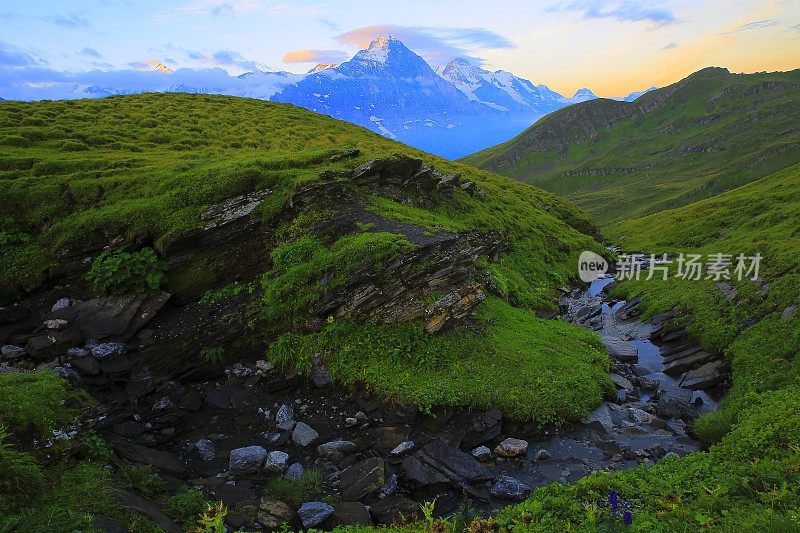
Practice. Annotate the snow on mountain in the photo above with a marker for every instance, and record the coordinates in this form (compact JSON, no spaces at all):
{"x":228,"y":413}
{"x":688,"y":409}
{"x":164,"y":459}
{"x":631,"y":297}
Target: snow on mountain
{"x":500,"y":89}
{"x":321,"y":66}
{"x":636,"y":94}
{"x":581,"y":95}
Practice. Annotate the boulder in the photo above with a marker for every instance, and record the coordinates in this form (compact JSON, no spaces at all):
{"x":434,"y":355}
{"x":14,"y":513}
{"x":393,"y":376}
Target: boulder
{"x":276,"y":462}
{"x":113,"y":317}
{"x":313,"y":514}
{"x":61,"y":303}
{"x":319,"y":373}
{"x":53,"y":343}
{"x":351,"y":514}
{"x":272,"y":514}
{"x":483,"y":427}
{"x":55,"y":323}
{"x":303,"y":434}
{"x":362,"y":478}
{"x":294,"y":472}
{"x":247,"y":460}
{"x":81,"y":359}
{"x":393,"y":509}
{"x":336,"y":447}
{"x":621,"y":382}
{"x":13,"y":314}
{"x":542,"y":455}
{"x":789,"y":313}
{"x":284,"y":419}
{"x":204,"y":448}
{"x":158,"y":459}
{"x":402,"y":448}
{"x":706,"y":376}
{"x":9,"y":351}
{"x":511,"y":448}
{"x":600,"y":419}
{"x":108,"y":350}
{"x":452,"y":462}
{"x":508,"y":488}
{"x":482,"y":454}
{"x":414,"y":470}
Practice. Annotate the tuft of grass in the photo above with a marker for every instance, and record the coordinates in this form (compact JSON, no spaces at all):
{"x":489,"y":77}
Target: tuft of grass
{"x":294,"y":492}
{"x":41,"y":400}
{"x":186,"y":507}
{"x":141,"y":479}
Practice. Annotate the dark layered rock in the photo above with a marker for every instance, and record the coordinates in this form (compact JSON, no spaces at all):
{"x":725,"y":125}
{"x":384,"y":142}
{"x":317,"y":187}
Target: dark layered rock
{"x":362,"y":478}
{"x":117,"y":317}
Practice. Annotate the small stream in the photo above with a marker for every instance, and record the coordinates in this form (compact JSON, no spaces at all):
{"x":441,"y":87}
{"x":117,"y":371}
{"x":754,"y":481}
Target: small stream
{"x":649,"y":418}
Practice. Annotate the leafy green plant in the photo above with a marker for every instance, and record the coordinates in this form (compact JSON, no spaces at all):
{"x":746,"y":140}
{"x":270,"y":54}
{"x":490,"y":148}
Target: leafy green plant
{"x":213,"y":519}
{"x":213,"y":355}
{"x":115,"y":272}
{"x":10,"y":234}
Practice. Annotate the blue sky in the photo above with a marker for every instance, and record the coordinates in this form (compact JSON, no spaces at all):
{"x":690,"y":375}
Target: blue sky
{"x":613,"y":47}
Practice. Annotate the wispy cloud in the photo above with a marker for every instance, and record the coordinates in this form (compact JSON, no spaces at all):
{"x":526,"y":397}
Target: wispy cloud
{"x":223,"y":58}
{"x":756,"y":25}
{"x":238,"y":8}
{"x":90,"y":52}
{"x":623,"y":11}
{"x":670,"y":46}
{"x":314,"y":56}
{"x":437,"y":45}
{"x":71,"y":20}
{"x":11,"y":56}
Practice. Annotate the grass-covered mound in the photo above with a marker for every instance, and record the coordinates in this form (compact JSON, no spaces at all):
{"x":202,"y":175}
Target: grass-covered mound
{"x":704,"y":135}
{"x":140,"y":170}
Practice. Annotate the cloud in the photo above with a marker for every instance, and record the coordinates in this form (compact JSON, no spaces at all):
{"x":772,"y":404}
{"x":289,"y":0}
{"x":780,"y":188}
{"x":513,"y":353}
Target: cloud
{"x":72,"y":20}
{"x":11,"y":56}
{"x":437,"y":45}
{"x":756,"y":25}
{"x":222,"y":58}
{"x":147,"y":64}
{"x":239,"y":8}
{"x":622,"y":11}
{"x":670,"y":46}
{"x":314,"y":56}
{"x":90,"y":52}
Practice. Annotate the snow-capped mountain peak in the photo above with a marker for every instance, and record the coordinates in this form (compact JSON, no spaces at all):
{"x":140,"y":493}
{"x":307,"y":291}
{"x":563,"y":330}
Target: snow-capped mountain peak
{"x":322,"y":66}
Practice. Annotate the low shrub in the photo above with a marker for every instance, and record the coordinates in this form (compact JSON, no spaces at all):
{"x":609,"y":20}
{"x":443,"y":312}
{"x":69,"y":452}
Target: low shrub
{"x":118,"y":272}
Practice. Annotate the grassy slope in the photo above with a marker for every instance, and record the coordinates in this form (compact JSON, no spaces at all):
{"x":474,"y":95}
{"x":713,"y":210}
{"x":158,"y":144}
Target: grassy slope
{"x":750,"y":479}
{"x":144,"y":167}
{"x":621,"y":160}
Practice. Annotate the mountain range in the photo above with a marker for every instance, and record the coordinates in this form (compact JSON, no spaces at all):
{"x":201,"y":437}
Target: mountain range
{"x":450,"y":111}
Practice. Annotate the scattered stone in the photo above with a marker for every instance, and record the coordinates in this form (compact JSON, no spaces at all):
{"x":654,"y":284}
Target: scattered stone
{"x":728,"y":291}
{"x":163,"y":403}
{"x":313,"y":514}
{"x":639,"y":416}
{"x":706,"y":376}
{"x":204,"y":448}
{"x":272,"y":514}
{"x":352,"y":514}
{"x":361,"y":416}
{"x":285,"y":417}
{"x":107,"y":350}
{"x":789,"y":313}
{"x":116,"y":316}
{"x":402,"y":448}
{"x":350,"y":421}
{"x":294,"y":472}
{"x":158,"y":459}
{"x":508,"y":488}
{"x":56,"y":323}
{"x":620,"y":349}
{"x":482,"y":454}
{"x":332,"y":448}
{"x":238,"y":370}
{"x":276,"y":462}
{"x":9,"y":351}
{"x":248,"y":460}
{"x":511,"y":447}
{"x":304,"y":434}
{"x":62,"y":303}
{"x":454,"y":463}
{"x":542,"y":455}
{"x":362,"y":478}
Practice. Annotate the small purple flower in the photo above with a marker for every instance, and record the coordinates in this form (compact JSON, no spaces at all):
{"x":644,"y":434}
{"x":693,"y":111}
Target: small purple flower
{"x":627,"y":518}
{"x":613,"y":501}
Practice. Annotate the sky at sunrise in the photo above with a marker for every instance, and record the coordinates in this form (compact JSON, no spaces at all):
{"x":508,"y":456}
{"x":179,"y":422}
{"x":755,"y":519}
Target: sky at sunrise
{"x":612,"y":47}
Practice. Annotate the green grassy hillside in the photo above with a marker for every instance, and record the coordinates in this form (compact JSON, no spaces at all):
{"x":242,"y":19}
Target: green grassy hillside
{"x":749,"y":480}
{"x":138,"y":171}
{"x":699,"y":137}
